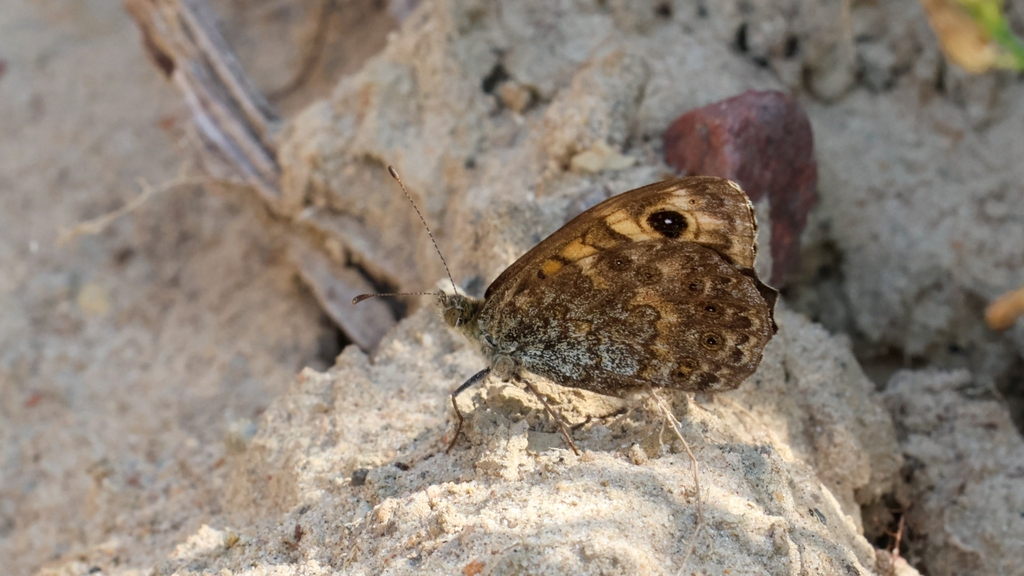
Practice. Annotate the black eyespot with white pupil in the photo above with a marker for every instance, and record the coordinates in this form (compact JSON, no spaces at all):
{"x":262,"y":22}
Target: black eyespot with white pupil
{"x":668,"y":223}
{"x":711,"y":340}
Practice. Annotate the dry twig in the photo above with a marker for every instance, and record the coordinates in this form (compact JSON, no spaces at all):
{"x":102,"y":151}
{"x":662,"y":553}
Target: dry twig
{"x":233,"y":119}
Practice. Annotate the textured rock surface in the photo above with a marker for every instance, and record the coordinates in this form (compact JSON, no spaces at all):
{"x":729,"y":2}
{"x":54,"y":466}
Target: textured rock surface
{"x":921,"y":289}
{"x":910,"y":209}
{"x":922,"y":204}
{"x":354,"y":458}
{"x":965,"y":473}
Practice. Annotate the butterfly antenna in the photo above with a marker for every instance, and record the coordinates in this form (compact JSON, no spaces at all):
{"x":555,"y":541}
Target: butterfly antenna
{"x":362,"y":297}
{"x":394,"y":174}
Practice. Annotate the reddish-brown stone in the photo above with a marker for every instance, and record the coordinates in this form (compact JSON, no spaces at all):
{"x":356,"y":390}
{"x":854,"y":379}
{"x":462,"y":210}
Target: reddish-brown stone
{"x":763,"y":141}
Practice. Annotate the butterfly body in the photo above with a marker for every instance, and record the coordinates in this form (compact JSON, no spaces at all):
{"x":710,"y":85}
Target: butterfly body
{"x":653,"y":287}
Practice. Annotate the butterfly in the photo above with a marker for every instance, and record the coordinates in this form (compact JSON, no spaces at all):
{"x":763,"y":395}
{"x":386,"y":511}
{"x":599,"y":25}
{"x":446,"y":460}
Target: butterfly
{"x":654,"y":287}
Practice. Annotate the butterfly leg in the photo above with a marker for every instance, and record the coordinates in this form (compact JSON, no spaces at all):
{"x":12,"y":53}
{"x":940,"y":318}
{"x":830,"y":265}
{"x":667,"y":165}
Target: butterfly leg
{"x":474,"y":379}
{"x":552,"y":413}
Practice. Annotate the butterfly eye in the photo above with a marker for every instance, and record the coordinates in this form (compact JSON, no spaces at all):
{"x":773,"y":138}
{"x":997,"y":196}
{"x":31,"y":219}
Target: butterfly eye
{"x":710,"y":308}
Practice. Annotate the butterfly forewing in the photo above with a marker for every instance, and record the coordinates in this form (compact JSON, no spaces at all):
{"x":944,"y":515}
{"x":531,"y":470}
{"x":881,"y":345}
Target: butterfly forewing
{"x":703,"y":210}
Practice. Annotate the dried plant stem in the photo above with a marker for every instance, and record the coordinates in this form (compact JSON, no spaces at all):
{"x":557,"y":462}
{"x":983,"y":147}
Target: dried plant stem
{"x":236,"y":127}
{"x":97,"y":225}
{"x":694,"y":469}
{"x":233,"y":119}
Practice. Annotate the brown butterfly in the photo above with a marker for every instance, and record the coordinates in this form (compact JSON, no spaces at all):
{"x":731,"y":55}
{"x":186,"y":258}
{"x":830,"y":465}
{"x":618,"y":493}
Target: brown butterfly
{"x":654,"y":287}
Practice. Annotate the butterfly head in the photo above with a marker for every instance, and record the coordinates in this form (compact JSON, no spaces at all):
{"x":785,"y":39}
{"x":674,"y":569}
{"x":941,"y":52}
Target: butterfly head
{"x":461,"y":312}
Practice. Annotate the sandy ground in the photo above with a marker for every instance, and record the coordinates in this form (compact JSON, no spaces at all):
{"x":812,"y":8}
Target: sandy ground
{"x":124,"y":357}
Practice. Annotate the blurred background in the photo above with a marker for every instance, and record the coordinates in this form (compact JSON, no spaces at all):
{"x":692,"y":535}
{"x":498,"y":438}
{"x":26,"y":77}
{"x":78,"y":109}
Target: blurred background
{"x":127,"y":355}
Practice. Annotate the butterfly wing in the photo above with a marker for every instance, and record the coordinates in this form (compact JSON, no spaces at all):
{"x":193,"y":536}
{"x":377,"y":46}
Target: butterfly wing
{"x":656,"y":312}
{"x":703,"y":210}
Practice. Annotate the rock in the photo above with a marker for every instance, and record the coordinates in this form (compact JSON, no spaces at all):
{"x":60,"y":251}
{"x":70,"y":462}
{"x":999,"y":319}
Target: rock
{"x":355,"y":456}
{"x":763,"y":141}
{"x":600,"y":157}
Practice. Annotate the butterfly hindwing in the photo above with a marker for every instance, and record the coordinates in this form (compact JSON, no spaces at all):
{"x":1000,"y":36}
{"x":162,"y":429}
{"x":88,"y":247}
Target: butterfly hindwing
{"x":653,"y":312}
